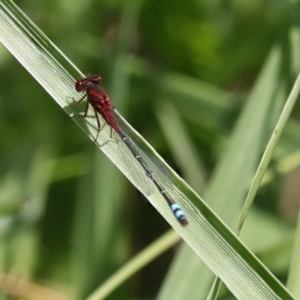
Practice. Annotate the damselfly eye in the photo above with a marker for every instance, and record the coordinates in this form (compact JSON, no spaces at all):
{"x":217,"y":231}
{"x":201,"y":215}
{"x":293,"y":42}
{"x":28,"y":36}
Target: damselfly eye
{"x":79,"y":85}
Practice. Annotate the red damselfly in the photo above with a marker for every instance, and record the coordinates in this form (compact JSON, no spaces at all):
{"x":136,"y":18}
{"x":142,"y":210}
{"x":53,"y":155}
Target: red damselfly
{"x":102,"y":105}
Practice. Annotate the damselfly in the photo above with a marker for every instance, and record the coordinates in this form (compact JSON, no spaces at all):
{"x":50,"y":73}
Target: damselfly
{"x":102,"y":105}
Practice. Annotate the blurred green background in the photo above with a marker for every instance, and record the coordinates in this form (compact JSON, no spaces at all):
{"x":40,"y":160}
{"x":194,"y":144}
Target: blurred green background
{"x":69,"y":218}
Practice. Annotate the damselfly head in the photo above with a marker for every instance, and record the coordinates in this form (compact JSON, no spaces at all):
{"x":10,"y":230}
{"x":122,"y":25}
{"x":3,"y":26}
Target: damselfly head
{"x":83,"y":83}
{"x":80,"y":85}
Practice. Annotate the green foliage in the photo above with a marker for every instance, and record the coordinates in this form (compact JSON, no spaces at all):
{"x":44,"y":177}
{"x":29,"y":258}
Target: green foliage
{"x":204,"y":83}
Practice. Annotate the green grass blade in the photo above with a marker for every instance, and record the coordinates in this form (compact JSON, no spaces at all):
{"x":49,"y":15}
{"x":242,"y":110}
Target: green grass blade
{"x":231,"y":179}
{"x":286,"y":112}
{"x":184,"y":152}
{"x":138,"y":262}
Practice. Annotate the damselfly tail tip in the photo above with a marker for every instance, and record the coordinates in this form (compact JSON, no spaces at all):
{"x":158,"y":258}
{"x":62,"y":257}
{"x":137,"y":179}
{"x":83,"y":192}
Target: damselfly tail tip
{"x":179,"y":214}
{"x":184,"y":222}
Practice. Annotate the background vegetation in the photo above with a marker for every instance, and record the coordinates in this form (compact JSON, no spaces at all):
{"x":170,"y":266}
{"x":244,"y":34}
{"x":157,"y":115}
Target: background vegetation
{"x":69,"y":218}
